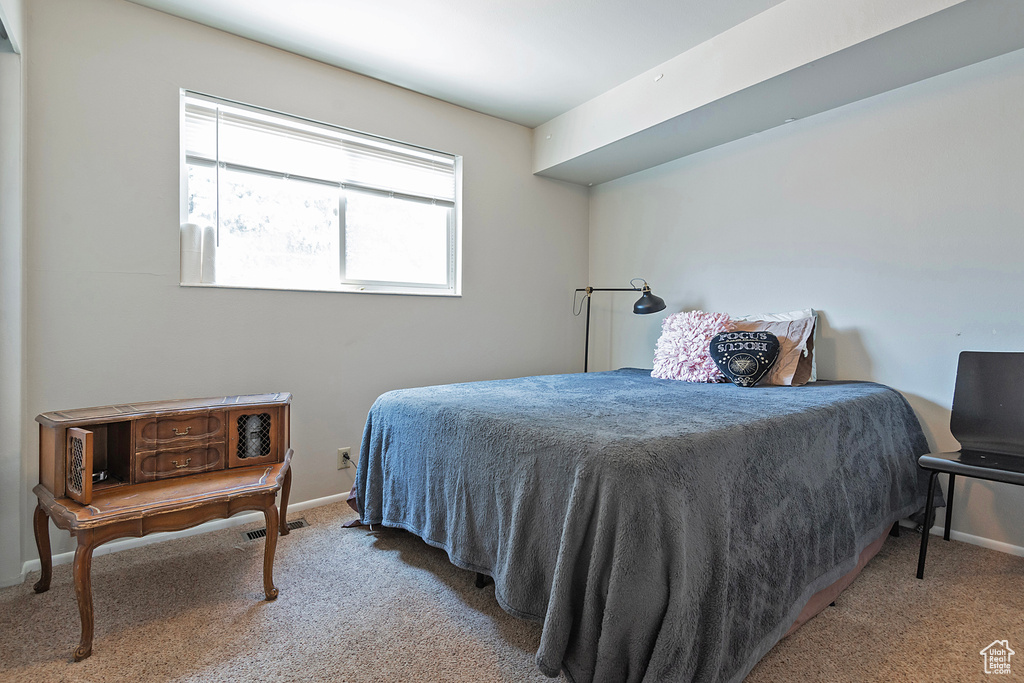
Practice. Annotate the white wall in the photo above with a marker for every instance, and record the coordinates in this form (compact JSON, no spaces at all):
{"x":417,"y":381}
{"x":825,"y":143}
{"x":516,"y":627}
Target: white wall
{"x":12,"y":483}
{"x":107,"y":321}
{"x":900,"y":217}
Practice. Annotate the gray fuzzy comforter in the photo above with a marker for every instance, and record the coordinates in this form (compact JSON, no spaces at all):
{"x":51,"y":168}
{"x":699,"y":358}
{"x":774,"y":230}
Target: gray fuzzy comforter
{"x":661,"y":530}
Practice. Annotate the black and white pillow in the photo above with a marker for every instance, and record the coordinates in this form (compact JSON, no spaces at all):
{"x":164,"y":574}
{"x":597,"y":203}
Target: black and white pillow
{"x":744,"y":357}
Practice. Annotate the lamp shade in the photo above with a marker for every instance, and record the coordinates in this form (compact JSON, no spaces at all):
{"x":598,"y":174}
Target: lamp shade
{"x":648,"y":303}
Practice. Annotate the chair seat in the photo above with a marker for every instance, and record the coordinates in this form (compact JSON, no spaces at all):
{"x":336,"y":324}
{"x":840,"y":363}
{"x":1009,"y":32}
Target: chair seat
{"x":1004,"y":467}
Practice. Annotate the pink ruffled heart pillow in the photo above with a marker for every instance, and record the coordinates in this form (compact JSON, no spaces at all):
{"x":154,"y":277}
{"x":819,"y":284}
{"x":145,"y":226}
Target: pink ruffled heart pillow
{"x":682,"y":352}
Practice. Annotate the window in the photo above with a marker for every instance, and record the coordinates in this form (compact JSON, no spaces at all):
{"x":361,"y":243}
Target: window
{"x":287,"y":203}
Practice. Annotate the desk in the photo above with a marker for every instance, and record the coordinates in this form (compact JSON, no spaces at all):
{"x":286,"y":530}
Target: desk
{"x":131,"y":470}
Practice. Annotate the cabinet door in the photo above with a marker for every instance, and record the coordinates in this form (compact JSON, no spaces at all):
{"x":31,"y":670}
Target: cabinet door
{"x":254,"y":436}
{"x":79,"y":465}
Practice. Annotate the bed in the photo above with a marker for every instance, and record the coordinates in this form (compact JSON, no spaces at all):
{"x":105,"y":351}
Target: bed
{"x":660,"y":530}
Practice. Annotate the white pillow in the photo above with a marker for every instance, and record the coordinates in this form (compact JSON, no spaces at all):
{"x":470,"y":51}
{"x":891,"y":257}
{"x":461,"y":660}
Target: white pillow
{"x":794,"y":315}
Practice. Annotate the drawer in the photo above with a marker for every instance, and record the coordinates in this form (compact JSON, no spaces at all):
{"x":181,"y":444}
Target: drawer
{"x":178,"y":462}
{"x":178,"y":430}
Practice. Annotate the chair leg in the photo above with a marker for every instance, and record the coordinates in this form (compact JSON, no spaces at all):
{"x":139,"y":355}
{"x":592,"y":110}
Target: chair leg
{"x":928,"y":510}
{"x":949,"y":505}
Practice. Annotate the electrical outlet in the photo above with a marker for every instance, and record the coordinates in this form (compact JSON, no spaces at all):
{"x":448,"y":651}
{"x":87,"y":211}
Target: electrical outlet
{"x":344,"y":458}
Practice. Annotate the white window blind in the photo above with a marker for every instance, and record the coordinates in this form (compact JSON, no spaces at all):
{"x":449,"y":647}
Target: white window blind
{"x":384,"y":242}
{"x":249,"y":138}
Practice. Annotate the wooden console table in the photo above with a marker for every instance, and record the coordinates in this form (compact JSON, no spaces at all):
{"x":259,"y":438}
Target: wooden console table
{"x":131,"y":470}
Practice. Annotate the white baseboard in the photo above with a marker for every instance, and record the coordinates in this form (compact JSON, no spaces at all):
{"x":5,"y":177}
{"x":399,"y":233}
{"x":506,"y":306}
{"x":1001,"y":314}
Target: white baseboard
{"x":955,"y":535}
{"x":214,"y":525}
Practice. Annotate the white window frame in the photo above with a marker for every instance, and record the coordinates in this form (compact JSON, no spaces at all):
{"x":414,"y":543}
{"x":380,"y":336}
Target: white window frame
{"x":453,"y":287}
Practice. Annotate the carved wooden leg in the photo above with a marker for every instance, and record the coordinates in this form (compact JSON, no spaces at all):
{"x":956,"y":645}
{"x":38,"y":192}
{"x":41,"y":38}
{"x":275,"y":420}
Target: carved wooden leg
{"x":286,"y":489}
{"x":83,"y":591}
{"x":41,"y":525}
{"x":268,"y":553}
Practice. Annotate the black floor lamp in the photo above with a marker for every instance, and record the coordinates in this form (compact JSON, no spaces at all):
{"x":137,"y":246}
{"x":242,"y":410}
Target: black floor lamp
{"x":647,"y":303}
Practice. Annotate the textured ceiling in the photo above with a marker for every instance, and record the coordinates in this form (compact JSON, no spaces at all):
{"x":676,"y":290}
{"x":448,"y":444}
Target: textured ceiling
{"x":526,"y":61}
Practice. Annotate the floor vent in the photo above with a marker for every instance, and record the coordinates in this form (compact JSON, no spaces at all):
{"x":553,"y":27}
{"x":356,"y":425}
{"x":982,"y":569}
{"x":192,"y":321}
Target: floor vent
{"x":262,"y":533}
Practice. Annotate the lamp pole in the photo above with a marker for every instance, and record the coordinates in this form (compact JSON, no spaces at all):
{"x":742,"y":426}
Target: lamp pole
{"x":647,"y":303}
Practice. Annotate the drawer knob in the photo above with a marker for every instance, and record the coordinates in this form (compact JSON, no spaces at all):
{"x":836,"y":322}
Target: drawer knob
{"x":177,"y":433}
{"x":182,"y":465}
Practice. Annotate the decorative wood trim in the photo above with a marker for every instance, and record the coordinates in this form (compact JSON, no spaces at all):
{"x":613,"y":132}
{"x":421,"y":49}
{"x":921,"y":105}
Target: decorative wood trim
{"x":121,"y":412}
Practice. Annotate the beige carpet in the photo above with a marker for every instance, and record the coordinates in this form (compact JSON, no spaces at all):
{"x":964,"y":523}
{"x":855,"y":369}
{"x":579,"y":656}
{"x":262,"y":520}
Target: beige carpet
{"x":384,"y":606}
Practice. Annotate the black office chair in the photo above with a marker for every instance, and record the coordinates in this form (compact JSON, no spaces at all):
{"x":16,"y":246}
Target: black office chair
{"x":988,"y":421}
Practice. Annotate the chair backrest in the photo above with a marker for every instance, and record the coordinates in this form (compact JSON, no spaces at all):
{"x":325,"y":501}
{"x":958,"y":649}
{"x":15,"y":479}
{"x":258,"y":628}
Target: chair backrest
{"x":988,"y":402}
